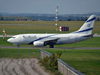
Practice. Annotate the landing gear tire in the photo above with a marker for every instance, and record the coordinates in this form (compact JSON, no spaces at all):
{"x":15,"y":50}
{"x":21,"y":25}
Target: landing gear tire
{"x":18,"y":46}
{"x":51,"y":46}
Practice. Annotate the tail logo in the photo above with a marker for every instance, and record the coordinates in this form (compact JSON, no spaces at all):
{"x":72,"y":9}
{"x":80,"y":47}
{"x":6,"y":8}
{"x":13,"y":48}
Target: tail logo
{"x":89,"y":25}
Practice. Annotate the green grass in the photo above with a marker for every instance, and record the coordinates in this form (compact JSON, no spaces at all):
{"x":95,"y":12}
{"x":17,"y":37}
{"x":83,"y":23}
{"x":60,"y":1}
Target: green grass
{"x":85,"y":61}
{"x":21,"y":29}
{"x":47,"y":22}
{"x":23,"y":53}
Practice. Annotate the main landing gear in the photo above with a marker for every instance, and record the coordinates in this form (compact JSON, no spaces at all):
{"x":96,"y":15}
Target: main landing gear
{"x":18,"y":46}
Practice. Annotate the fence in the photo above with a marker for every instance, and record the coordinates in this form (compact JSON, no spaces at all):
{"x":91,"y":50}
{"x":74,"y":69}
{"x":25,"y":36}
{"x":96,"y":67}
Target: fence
{"x":43,"y":54}
{"x":20,"y":53}
{"x":63,"y":67}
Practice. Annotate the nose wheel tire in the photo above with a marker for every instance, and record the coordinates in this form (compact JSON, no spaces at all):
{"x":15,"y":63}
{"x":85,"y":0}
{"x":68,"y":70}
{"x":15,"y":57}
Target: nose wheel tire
{"x":51,"y":46}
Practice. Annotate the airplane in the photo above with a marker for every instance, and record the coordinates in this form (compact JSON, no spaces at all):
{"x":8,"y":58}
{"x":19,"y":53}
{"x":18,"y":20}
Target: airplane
{"x":84,"y":33}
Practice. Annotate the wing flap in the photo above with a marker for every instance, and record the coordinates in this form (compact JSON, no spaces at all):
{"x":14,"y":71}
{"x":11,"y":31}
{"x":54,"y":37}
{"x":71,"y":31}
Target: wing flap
{"x":51,"y":41}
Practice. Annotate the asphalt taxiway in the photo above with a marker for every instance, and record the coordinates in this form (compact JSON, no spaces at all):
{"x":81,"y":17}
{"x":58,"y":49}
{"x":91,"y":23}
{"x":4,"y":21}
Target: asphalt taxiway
{"x":91,"y":48}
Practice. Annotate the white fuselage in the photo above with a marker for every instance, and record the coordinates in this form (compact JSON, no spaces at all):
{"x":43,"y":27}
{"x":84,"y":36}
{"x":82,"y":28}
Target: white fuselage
{"x":62,"y":38}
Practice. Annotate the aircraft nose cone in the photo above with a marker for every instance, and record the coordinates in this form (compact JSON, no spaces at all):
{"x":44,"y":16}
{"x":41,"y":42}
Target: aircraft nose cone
{"x":9,"y":40}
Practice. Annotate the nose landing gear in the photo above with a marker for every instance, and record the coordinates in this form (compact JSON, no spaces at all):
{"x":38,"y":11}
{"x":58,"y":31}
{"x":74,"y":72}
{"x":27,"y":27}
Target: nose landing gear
{"x":51,"y":46}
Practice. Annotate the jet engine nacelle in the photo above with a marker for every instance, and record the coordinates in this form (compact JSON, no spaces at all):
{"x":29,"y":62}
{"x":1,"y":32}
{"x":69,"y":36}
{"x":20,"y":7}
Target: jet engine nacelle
{"x":38,"y":43}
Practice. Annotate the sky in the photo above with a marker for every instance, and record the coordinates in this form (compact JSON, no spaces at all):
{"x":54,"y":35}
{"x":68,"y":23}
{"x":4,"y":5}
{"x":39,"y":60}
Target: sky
{"x":49,"y":6}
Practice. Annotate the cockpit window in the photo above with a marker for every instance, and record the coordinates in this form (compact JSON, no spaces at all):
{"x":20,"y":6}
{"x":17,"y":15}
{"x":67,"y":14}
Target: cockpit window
{"x":13,"y":37}
{"x":24,"y":36}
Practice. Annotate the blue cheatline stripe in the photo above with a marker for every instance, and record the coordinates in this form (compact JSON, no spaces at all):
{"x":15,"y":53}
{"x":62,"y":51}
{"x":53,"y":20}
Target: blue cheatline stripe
{"x":84,"y":30}
{"x":42,"y":38}
{"x":91,"y":19}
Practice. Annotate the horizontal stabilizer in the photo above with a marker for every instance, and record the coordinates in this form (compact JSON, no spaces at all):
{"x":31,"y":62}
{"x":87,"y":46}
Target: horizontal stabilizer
{"x":90,"y":35}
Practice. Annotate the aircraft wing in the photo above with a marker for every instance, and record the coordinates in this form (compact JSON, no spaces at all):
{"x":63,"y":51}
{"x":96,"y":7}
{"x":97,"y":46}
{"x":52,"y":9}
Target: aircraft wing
{"x":50,"y":41}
